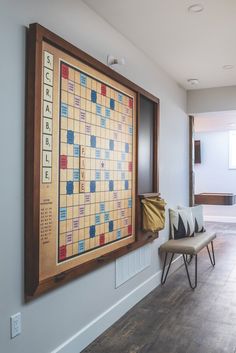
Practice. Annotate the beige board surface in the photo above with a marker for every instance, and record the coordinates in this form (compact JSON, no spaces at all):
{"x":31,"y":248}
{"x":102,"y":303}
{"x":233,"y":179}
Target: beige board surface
{"x":87,"y":166}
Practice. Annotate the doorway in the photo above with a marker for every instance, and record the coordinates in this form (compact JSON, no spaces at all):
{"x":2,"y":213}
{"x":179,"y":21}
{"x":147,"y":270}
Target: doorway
{"x":212,"y":164}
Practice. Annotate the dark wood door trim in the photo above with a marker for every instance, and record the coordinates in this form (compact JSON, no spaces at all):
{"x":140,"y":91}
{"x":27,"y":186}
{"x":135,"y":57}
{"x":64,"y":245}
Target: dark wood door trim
{"x":191,"y":160}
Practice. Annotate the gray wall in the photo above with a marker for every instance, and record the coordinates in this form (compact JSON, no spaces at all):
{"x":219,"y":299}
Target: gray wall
{"x":55,"y":317}
{"x":211,"y":100}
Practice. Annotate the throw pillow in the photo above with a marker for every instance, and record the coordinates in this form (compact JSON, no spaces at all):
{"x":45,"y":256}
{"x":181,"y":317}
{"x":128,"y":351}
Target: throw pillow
{"x":197,"y":212}
{"x":181,"y":223}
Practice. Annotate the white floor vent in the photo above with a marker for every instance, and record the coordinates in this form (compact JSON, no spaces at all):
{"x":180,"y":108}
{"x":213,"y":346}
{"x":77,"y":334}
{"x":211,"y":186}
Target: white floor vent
{"x":131,"y":264}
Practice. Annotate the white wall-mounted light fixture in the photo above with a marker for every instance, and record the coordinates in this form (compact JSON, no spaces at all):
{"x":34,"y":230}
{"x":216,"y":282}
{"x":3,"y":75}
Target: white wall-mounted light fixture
{"x":111,"y":60}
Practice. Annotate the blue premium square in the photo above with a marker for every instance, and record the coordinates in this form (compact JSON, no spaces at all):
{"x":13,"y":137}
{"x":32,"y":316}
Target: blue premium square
{"x":120,"y":96}
{"x":93,"y":141}
{"x":94,"y":96}
{"x":111,"y":226}
{"x":70,"y":137}
{"x":112,"y":104}
{"x":83,"y":79}
{"x":63,"y":213}
{"x":92,"y":186}
{"x":76,"y":174}
{"x":107,"y":113}
{"x":111,"y":145}
{"x":129,"y":203}
{"x":126,"y":184}
{"x":64,"y":110}
{"x":76,"y":150}
{"x":127,"y":148}
{"x":111,"y":185}
{"x":81,"y":246}
{"x":97,"y":218}
{"x":102,"y":207}
{"x":118,"y":233}
{"x":69,"y":187}
{"x":119,"y":165}
{"x":98,"y":109}
{"x":107,"y":175}
{"x":92,"y":231}
{"x":103,"y":122}
{"x":123,"y":155}
{"x":98,"y":153}
{"x":97,"y":175}
{"x":123,"y":175}
{"x":106,"y":217}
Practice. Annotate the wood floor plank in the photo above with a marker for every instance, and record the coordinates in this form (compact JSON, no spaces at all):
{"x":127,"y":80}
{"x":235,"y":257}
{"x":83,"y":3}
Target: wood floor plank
{"x":175,"y":319}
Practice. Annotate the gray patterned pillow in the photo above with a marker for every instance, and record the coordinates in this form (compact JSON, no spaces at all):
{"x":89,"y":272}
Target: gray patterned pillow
{"x":181,"y":223}
{"x":197,"y":212}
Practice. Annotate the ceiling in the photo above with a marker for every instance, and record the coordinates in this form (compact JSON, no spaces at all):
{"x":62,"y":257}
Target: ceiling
{"x":219,"y":121}
{"x":184,"y":44}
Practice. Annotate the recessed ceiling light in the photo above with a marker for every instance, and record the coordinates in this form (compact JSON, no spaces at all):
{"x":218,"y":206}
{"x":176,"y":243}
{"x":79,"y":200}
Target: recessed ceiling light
{"x":193,"y":81}
{"x":196,"y":8}
{"x":228,"y":67}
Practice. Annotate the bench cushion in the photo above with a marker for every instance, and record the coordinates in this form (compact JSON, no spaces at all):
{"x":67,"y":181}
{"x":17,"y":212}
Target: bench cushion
{"x":190,"y":245}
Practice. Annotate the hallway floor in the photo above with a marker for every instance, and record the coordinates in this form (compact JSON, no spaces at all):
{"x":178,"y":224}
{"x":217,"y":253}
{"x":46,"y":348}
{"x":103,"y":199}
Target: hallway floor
{"x":175,"y":319}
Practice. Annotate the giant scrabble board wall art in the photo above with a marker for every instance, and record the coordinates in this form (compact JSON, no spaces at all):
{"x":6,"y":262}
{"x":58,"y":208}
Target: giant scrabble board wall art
{"x":81,"y":155}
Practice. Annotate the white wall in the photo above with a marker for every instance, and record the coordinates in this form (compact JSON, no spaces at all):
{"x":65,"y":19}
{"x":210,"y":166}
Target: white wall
{"x":211,"y":100}
{"x":213,"y":174}
{"x":55,"y":317}
{"x":218,"y":213}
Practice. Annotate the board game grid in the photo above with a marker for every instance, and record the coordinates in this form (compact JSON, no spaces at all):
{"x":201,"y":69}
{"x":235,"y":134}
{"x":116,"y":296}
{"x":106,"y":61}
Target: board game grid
{"x":95,"y":163}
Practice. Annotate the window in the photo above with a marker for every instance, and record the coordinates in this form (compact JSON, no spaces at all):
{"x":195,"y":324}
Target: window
{"x":232,"y":149}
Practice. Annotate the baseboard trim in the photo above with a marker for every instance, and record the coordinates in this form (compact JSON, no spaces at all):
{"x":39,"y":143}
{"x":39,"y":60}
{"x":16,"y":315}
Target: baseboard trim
{"x":220,"y":219}
{"x":96,"y":327}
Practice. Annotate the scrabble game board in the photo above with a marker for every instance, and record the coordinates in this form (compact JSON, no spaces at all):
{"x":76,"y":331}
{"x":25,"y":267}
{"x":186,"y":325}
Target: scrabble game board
{"x":87,"y":167}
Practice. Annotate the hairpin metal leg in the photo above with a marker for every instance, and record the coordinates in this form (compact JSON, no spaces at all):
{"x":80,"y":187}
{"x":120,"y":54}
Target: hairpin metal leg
{"x":164,"y":276}
{"x":186,"y":267}
{"x":212,"y":257}
{"x":188,"y":260}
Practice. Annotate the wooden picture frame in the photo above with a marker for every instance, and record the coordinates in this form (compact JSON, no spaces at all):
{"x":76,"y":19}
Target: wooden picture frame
{"x":50,"y":256}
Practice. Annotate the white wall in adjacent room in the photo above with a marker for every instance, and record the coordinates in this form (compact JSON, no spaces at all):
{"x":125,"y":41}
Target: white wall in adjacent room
{"x":213,"y":173}
{"x":67,"y":319}
{"x":218,"y":213}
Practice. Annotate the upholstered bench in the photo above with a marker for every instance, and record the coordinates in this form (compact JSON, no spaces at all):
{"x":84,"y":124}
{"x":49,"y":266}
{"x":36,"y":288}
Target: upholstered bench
{"x":187,"y":246}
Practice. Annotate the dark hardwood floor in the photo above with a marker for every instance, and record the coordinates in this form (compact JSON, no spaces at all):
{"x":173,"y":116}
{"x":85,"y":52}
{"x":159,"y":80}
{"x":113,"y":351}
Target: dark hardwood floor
{"x":175,"y":319}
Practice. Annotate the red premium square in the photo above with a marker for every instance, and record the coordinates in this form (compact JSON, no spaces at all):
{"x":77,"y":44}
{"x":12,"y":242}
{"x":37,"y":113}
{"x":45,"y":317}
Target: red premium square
{"x":102,"y":239}
{"x":64,"y":71}
{"x":103,"y":90}
{"x":130,"y":103}
{"x":130,"y":166}
{"x":129,"y":229}
{"x":63,"y":162}
{"x":62,"y":252}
